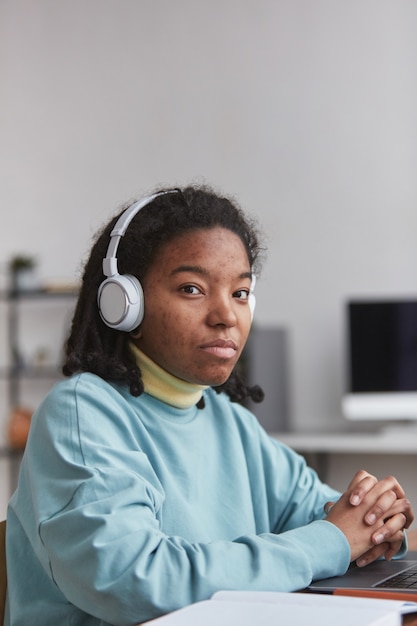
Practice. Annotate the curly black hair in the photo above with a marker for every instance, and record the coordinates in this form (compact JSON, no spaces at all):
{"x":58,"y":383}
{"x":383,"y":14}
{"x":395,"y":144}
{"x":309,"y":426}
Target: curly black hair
{"x":94,"y":347}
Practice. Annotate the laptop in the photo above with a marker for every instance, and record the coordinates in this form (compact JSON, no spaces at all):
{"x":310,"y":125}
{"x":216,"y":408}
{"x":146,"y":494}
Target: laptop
{"x":392,"y":576}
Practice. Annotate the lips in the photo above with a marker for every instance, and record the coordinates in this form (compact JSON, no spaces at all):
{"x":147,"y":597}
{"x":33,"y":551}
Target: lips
{"x":222,"y":348}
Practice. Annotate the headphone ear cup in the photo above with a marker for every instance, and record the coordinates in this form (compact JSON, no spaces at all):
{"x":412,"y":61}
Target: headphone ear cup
{"x":252,"y":297}
{"x":120,"y":302}
{"x":252,"y":304}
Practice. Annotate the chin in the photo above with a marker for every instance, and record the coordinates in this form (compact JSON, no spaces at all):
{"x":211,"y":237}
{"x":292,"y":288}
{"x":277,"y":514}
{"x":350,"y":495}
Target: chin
{"x":212,"y":378}
{"x":216,"y":381}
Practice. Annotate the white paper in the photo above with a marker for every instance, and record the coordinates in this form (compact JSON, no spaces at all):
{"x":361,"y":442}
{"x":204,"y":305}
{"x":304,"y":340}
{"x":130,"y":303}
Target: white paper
{"x":274,"y":608}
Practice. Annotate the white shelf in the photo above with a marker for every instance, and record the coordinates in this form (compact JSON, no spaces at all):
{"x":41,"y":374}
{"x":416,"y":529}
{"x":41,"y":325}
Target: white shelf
{"x":387,"y":441}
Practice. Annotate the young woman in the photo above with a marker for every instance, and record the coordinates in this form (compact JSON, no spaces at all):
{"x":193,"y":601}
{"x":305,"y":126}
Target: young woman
{"x":145,"y":484}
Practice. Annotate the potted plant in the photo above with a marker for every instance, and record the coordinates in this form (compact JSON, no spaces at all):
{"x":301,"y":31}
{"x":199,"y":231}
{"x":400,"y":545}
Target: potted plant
{"x":22,"y":272}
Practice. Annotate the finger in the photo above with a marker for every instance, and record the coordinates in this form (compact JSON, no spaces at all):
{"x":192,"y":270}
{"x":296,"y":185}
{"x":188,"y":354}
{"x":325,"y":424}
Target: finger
{"x":409,"y":513}
{"x":373,"y":554}
{"x":327,"y":507}
{"x":389,"y":483}
{"x":358,"y":477}
{"x":391,"y":531}
{"x":381,"y":507}
{"x":393,"y":549}
{"x":402,"y":506}
{"x":361,"y":484}
{"x":387,"y":550}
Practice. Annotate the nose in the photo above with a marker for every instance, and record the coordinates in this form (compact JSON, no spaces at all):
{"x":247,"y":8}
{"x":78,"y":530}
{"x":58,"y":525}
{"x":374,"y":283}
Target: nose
{"x":222,"y":311}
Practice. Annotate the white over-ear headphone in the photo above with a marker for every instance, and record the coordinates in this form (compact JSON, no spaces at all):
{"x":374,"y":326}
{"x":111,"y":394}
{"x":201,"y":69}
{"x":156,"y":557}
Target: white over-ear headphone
{"x":120,"y":296}
{"x":252,"y":297}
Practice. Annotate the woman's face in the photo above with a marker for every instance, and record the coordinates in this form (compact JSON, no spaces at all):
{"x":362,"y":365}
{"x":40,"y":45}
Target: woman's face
{"x":197,"y":316}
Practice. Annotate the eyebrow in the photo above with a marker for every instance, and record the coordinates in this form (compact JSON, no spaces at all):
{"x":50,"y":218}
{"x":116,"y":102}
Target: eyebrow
{"x":198,"y":269}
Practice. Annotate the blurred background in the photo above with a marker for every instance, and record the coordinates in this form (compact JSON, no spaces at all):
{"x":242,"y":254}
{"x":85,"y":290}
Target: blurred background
{"x":304,"y":111}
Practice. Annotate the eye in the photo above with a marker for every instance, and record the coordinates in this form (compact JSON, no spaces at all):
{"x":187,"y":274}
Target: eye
{"x":191,"y":289}
{"x":241,"y":294}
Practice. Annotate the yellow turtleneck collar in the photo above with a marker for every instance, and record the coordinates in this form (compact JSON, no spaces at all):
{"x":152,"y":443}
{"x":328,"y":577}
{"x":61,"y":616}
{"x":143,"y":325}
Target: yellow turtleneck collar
{"x":164,"y":386}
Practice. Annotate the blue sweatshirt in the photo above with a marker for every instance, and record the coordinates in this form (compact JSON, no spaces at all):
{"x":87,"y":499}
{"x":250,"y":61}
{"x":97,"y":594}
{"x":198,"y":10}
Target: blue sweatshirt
{"x":128,"y":508}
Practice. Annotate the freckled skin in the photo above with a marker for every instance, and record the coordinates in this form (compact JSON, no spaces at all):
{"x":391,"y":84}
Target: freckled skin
{"x":196,"y":296}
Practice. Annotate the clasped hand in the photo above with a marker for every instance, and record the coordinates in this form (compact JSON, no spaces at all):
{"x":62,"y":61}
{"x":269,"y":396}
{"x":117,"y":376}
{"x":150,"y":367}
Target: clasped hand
{"x":372,"y":514}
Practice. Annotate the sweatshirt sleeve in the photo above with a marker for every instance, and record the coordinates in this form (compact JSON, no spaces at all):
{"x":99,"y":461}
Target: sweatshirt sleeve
{"x":98,"y":507}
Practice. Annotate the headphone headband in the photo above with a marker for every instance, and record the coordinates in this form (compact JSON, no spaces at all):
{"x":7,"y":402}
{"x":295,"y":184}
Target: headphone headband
{"x":119,"y":229}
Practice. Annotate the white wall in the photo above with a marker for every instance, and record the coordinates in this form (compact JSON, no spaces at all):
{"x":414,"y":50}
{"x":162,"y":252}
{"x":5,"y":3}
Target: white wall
{"x":304,"y":109}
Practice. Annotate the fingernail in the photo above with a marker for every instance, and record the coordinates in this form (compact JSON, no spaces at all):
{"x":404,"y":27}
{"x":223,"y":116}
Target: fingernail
{"x":361,"y":562}
{"x":355,"y":500}
{"x":371,"y":519}
{"x":379,"y":538}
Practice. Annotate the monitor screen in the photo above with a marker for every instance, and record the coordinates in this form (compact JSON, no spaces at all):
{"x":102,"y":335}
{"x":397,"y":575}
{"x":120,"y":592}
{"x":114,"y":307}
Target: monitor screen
{"x":381,"y":359}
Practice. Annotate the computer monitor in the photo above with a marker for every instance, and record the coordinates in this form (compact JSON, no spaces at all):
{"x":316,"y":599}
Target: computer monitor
{"x":381,"y":360}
